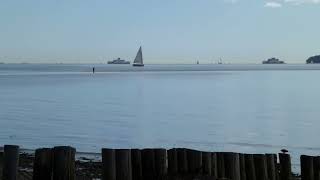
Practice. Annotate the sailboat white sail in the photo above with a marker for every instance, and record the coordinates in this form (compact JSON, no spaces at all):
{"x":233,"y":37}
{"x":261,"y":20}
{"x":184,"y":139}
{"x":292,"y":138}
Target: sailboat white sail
{"x":138,"y":61}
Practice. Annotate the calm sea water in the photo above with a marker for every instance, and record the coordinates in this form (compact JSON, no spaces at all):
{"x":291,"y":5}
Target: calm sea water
{"x":243,"y":108}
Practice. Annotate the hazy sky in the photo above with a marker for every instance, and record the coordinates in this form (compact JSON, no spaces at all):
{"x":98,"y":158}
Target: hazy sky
{"x":170,"y":31}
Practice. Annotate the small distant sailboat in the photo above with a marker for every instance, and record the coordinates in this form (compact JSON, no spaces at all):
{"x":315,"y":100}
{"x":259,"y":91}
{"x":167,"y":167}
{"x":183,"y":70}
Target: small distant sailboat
{"x":138,"y":61}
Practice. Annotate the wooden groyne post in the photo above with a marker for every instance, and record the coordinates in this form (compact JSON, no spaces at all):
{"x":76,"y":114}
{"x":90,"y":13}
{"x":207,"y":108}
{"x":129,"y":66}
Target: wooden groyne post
{"x":285,"y":166}
{"x":182,"y":161}
{"x":207,"y":163}
{"x":214,"y":166}
{"x":277,"y":168}
{"x":160,"y":161}
{"x":123,"y":164}
{"x":243,"y":175}
{"x":260,"y":166}
{"x":250,"y":168}
{"x":306,"y":163}
{"x":194,"y":159}
{"x":42,"y":165}
{"x":108,"y":164}
{"x":10,"y":162}
{"x":136,"y":164}
{"x":1,"y":164}
{"x":232,"y":165}
{"x":316,"y":167}
{"x":64,"y":163}
{"x":271,"y":166}
{"x":148,"y":164}
{"x":172,"y":161}
{"x":220,"y":165}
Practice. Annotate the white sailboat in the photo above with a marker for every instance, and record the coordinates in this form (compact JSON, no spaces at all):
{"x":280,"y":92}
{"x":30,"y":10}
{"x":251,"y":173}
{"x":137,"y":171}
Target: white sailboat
{"x":138,"y":61}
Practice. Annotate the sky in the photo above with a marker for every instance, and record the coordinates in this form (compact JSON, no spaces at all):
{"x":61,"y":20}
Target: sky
{"x":169,"y":31}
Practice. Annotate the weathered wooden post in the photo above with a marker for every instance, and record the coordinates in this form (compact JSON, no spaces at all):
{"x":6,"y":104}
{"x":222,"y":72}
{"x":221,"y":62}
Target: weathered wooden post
{"x":10,"y":162}
{"x":306,"y":163}
{"x":42,"y":165}
{"x":285,"y":166}
{"x":172,"y":162}
{"x":316,"y":167}
{"x":136,"y":164}
{"x":108,"y":164}
{"x":182,"y":161}
{"x":214,"y":166}
{"x":194,"y":161}
{"x":260,"y":166}
{"x":207,"y":163}
{"x":220,"y":165}
{"x":277,"y":166}
{"x":1,"y":164}
{"x":148,"y":164}
{"x":64,"y":163}
{"x":232,"y":165}
{"x":243,"y":175}
{"x":123,"y":164}
{"x":160,"y":161}
{"x":250,"y":168}
{"x":271,"y":166}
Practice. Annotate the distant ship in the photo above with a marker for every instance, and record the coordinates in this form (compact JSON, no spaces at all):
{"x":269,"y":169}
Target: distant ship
{"x":119,"y":61}
{"x":138,"y":61}
{"x":273,"y":61}
{"x":313,"y":60}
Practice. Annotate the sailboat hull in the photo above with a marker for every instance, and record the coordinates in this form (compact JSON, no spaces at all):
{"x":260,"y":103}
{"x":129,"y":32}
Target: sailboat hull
{"x":138,"y":65}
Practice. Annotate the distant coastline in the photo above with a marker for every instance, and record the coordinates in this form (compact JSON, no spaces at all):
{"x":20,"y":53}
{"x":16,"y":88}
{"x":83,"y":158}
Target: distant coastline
{"x":311,"y":60}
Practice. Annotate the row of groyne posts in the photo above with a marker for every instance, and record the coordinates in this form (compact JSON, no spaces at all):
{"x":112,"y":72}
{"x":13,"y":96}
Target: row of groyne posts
{"x":58,"y":163}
